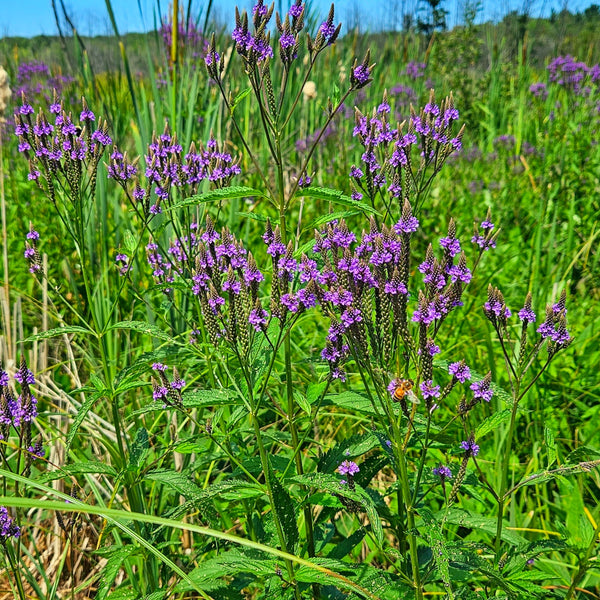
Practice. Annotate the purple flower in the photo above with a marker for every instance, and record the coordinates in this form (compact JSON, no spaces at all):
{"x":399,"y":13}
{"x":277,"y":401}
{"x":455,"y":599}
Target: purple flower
{"x":160,"y":392}
{"x":526,"y":314}
{"x":121,"y":260}
{"x":460,"y":273}
{"x":496,"y":308}
{"x":276,"y":248}
{"x":481,"y":389}
{"x":159,"y":367}
{"x":470,"y":447}
{"x":428,"y":390}
{"x":459,"y":370}
{"x":178,"y":383}
{"x":287,"y":40}
{"x":356,"y":172}
{"x":259,"y":9}
{"x":8,"y":528}
{"x":304,"y":181}
{"x":443,"y":472}
{"x":101,"y":137}
{"x":414,"y":70}
{"x":25,"y":109}
{"x":451,"y":245}
{"x":406,"y":225}
{"x":348,"y":467}
{"x":395,"y":288}
{"x":296,"y":10}
{"x":86,"y":115}
{"x":327,"y":29}
{"x":258,"y":318}
{"x":361,"y":74}
{"x":24,"y":375}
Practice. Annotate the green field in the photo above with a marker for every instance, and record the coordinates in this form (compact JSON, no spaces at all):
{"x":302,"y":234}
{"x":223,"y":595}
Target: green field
{"x":299,"y":312}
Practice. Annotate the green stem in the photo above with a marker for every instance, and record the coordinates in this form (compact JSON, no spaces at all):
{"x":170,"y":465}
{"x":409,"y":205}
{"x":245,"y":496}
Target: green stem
{"x":504,"y":469}
{"x":264,"y":459}
{"x":410,"y":514}
{"x":15,"y":571}
{"x":583,"y":563}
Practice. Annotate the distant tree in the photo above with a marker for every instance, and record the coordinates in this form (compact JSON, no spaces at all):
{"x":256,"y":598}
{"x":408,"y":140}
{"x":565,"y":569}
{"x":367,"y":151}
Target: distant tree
{"x":592,"y":12}
{"x":470,"y":10}
{"x":408,"y":22}
{"x":432,"y":18}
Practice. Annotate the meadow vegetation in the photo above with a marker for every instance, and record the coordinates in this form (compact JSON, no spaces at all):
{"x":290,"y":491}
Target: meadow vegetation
{"x":291,"y":311}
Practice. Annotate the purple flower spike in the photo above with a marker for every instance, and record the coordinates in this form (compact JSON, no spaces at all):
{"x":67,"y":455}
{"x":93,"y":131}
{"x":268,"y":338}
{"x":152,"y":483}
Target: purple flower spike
{"x":481,"y":389}
{"x":428,"y":390}
{"x":8,"y":528}
{"x":526,"y":314}
{"x":470,"y":447}
{"x":406,"y":225}
{"x":361,"y":74}
{"x":296,"y":10}
{"x":348,"y":467}
{"x":460,"y":370}
{"x":443,"y":472}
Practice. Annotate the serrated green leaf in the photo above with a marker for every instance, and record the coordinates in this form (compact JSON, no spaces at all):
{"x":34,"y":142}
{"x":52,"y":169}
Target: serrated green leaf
{"x":80,"y":417}
{"x":228,"y":193}
{"x":578,"y":525}
{"x":309,"y":575}
{"x":79,"y":468}
{"x":285,"y":508}
{"x":324,"y":499}
{"x":194,"y":444}
{"x":492,"y":422}
{"x":125,"y":592}
{"x":209,"y":398}
{"x":142,"y":327}
{"x":139,"y":450}
{"x":196,"y":399}
{"x":563,"y":471}
{"x":354,"y":402}
{"x":335,"y":196}
{"x":239,"y":98}
{"x":129,"y":242}
{"x":111,"y":569}
{"x":302,"y":402}
{"x":550,"y":446}
{"x":471,"y":520}
{"x":331,"y":484}
{"x":179,"y":482}
{"x":327,"y":218}
{"x":343,"y":548}
{"x":257,"y":217}
{"x":51,"y":333}
{"x":132,"y":385}
{"x":209,"y":575}
{"x":433,"y":532}
{"x":315,"y":390}
{"x":97,"y":383}
{"x":153,"y":596}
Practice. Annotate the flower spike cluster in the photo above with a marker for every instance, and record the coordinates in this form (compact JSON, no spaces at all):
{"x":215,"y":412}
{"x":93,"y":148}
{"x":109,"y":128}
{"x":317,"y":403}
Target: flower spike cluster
{"x":59,"y":148}
{"x":18,"y":411}
{"x":168,"y":169}
{"x":387,"y":159}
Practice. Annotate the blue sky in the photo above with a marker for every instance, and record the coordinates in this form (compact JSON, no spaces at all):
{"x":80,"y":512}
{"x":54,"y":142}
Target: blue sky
{"x":35,"y":17}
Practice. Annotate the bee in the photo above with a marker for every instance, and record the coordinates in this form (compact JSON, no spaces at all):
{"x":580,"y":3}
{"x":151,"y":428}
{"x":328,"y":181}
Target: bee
{"x":404,"y":391}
